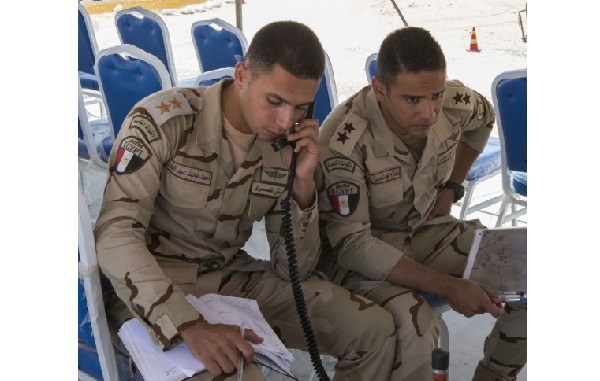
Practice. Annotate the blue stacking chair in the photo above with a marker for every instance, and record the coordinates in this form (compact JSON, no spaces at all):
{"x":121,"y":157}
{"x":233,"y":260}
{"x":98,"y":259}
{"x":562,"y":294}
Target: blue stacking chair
{"x":97,"y":357}
{"x":87,"y":48}
{"x":211,"y":77}
{"x":326,"y":96}
{"x":487,"y":165}
{"x":86,"y":51}
{"x":218,"y":44}
{"x":509,"y":95}
{"x":145,"y":29}
{"x":127,"y":75}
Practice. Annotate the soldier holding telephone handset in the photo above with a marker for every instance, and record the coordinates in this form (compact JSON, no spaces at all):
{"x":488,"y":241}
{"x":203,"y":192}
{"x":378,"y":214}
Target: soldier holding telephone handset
{"x":191,"y":170}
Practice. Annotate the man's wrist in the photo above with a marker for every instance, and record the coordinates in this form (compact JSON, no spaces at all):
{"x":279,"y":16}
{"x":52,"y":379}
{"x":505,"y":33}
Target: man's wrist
{"x":457,"y":188}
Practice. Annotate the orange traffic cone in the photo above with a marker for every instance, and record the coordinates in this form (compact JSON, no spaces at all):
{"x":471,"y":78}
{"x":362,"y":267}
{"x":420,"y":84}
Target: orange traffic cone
{"x":473,"y":47}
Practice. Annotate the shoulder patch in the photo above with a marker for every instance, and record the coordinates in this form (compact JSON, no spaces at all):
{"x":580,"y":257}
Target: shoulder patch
{"x":164,"y":108}
{"x":343,"y":197}
{"x":131,"y":155}
{"x":459,"y":98}
{"x":347,"y":134}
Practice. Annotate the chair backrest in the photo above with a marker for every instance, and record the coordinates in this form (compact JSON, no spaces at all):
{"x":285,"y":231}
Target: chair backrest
{"x":127,"y":75}
{"x":326,"y":96}
{"x":218,"y":44}
{"x":145,"y":29}
{"x":96,"y":352}
{"x":86,"y":42}
{"x":509,"y":95}
{"x":371,"y":66}
{"x":210,"y":77}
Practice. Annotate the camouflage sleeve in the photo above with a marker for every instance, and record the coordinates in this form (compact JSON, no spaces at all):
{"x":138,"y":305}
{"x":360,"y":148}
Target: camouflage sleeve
{"x":132,"y":186}
{"x":344,"y":209}
{"x":305,"y":227}
{"x":475,"y":112}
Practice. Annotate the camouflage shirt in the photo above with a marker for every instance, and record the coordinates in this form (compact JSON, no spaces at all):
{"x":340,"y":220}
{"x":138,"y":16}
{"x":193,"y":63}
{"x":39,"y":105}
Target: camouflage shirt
{"x":174,"y":209}
{"x":370,"y":185}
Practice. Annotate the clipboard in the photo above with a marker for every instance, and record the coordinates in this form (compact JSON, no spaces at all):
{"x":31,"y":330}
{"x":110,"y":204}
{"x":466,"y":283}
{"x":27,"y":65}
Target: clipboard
{"x":498,"y":260}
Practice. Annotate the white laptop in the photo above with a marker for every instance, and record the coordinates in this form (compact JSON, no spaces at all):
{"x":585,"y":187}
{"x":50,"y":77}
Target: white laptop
{"x":498,"y":260}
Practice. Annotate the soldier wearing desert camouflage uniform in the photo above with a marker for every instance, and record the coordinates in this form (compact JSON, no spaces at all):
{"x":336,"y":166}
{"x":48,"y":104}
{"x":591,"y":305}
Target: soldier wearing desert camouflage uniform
{"x":191,"y":170}
{"x":393,"y":158}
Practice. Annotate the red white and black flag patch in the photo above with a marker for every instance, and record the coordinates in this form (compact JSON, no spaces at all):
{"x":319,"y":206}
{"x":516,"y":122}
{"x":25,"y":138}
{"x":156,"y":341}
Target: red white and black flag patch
{"x":131,"y":155}
{"x":343,"y":197}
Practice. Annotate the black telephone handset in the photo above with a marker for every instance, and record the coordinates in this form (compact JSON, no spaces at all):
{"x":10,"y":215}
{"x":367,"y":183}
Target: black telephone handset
{"x":288,"y":236}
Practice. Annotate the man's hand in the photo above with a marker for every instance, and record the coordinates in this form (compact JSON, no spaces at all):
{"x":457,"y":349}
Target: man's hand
{"x":443,"y":203}
{"x":471,"y":298}
{"x":218,"y":346}
{"x":306,"y":136}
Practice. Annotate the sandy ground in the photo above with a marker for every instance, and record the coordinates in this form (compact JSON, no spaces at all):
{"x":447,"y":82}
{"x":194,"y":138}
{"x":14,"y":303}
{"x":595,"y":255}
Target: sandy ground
{"x":350,"y":30}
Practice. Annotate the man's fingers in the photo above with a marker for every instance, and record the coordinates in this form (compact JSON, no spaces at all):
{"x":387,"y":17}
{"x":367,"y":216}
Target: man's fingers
{"x":252,"y":337}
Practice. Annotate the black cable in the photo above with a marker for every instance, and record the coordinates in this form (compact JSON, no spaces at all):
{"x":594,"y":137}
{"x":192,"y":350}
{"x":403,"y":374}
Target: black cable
{"x":288,"y":236}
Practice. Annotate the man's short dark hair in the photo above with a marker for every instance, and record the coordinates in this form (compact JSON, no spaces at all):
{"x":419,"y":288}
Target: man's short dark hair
{"x":408,"y":50}
{"x":290,"y":44}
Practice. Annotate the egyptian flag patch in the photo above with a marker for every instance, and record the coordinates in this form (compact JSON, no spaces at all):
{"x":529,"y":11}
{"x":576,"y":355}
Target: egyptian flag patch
{"x":343,"y":197}
{"x":131,"y":155}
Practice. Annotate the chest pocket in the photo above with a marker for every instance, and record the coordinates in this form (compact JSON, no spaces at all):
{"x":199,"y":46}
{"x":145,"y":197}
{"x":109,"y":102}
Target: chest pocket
{"x":385,"y":187}
{"x":184,"y":186}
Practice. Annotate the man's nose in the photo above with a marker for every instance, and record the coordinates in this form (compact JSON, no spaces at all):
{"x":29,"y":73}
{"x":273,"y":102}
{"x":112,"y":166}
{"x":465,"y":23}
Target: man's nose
{"x":284,"y":117}
{"x":428,"y":109}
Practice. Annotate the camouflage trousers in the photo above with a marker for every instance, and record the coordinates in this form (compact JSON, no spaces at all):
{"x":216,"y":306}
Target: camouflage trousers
{"x":443,"y":246}
{"x":358,"y":332}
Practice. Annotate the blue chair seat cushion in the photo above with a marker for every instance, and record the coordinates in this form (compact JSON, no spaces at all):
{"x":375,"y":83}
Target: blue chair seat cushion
{"x":88,"y":81}
{"x":433,"y":300}
{"x":519,"y":182}
{"x":488,"y":162}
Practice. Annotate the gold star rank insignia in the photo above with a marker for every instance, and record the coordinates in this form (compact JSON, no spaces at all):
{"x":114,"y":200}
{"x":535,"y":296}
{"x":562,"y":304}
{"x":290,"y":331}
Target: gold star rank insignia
{"x":163,"y":107}
{"x":175,"y":103}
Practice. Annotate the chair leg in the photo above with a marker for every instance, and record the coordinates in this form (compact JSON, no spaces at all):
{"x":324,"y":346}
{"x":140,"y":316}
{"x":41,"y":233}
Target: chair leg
{"x":502,"y":211}
{"x":466,"y":201}
{"x":444,"y":338}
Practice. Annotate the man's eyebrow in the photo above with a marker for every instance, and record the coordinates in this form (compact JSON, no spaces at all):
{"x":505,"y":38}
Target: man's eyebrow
{"x":279,"y":98}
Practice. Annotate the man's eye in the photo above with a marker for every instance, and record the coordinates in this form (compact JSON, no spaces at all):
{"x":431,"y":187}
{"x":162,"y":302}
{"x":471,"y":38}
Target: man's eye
{"x":438,"y":95}
{"x":274,"y":102}
{"x":412,"y":99}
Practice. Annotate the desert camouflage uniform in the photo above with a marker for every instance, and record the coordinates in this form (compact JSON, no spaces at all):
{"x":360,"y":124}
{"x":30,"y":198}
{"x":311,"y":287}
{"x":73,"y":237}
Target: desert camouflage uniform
{"x":175,"y":216}
{"x":374,"y":199}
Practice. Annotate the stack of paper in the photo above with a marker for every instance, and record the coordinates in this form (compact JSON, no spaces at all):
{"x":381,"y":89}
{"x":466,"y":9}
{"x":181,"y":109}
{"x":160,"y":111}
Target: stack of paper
{"x":179,"y":363}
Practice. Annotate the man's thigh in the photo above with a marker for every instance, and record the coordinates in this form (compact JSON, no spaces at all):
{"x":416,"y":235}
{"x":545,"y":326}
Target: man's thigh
{"x":443,"y":247}
{"x":338,"y":317}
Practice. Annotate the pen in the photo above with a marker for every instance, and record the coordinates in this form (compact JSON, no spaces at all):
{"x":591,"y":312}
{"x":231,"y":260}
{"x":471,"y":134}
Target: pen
{"x":514,"y":297}
{"x":241,"y":362}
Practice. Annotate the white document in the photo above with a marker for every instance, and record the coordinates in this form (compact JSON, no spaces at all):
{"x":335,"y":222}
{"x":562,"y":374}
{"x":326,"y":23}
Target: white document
{"x":498,"y":259}
{"x":179,"y":363}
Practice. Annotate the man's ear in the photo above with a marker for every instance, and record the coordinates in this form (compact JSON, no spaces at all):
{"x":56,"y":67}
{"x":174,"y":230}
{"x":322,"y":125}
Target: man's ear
{"x":378,"y":88}
{"x":241,"y":75}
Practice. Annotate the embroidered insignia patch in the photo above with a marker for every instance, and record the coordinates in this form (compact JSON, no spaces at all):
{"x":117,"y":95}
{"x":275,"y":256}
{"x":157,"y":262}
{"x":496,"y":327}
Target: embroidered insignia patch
{"x":269,"y":190}
{"x":274,"y":175}
{"x":131,"y":155}
{"x":460,"y":98}
{"x":164,"y":108}
{"x":146,"y":126}
{"x":343,"y":197}
{"x":383,"y":177}
{"x":194,"y":175}
{"x":480,"y":109}
{"x":444,"y":156}
{"x":342,"y":163}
